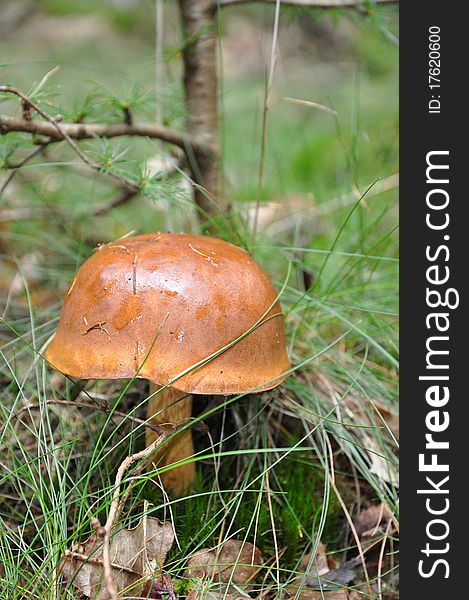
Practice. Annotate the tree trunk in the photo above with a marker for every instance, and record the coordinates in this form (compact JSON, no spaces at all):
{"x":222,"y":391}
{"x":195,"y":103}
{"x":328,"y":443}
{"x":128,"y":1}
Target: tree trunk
{"x":201,"y":91}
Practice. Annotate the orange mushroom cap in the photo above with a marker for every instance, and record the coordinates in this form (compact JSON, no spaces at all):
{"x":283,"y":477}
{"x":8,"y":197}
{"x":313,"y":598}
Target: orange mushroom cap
{"x":155,"y":305}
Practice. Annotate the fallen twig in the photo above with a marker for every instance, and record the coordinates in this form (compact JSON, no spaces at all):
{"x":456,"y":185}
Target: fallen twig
{"x":116,"y":505}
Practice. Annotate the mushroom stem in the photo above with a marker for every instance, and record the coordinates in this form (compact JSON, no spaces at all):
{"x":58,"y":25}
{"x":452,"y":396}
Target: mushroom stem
{"x":174,"y":407}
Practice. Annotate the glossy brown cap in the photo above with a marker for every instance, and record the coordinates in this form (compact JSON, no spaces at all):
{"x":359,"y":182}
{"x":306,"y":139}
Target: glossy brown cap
{"x":155,"y":305}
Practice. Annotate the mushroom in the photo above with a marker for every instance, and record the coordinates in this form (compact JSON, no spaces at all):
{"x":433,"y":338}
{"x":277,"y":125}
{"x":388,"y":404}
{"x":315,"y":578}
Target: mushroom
{"x":191,"y":314}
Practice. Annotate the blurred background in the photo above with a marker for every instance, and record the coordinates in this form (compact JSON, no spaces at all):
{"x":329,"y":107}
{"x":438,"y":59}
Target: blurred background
{"x":105,"y":54}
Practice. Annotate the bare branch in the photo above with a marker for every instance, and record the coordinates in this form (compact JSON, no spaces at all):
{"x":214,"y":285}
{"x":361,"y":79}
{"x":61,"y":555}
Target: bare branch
{"x":14,"y":168}
{"x":159,"y":60}
{"x":354,"y":4}
{"x":122,"y":198}
{"x":83,"y":131}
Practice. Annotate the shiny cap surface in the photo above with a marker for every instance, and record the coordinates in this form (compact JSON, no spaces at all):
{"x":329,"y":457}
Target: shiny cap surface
{"x":155,"y":305}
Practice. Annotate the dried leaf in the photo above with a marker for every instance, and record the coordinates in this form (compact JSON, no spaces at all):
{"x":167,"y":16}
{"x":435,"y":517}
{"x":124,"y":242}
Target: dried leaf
{"x":382,"y":468}
{"x":307,"y":594}
{"x":368,"y":521}
{"x":135,"y":553}
{"x":389,"y":415}
{"x":233,"y":562}
{"x":197,"y":594}
{"x":158,"y":588}
{"x":323,"y":577}
{"x":322,"y":563}
{"x":217,"y":591}
{"x":344,"y":575}
{"x":350,"y":408}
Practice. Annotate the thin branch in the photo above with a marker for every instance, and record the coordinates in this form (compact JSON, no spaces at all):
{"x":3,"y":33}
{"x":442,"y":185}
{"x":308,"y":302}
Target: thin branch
{"x":116,"y":504}
{"x":96,"y":561}
{"x":159,"y":66}
{"x":381,"y":558}
{"x":346,"y":511}
{"x":267,"y":96}
{"x":353,"y":4}
{"x":126,"y":195}
{"x":57,"y":128}
{"x":14,"y":168}
{"x":83,"y":131}
{"x":57,"y":131}
{"x":123,"y":198}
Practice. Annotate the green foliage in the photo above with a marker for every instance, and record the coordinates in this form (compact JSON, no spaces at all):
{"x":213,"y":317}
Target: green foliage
{"x":129,"y":100}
